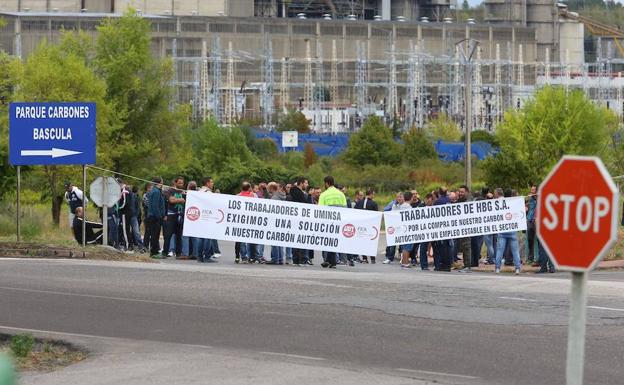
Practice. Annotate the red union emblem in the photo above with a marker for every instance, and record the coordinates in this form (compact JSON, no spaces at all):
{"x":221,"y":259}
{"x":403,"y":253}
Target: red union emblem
{"x":348,"y":230}
{"x":192,"y":213}
{"x":390,"y":230}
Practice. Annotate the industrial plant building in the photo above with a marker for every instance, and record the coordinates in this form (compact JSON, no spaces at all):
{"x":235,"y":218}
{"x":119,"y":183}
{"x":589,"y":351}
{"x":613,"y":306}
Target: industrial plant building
{"x":339,"y":61}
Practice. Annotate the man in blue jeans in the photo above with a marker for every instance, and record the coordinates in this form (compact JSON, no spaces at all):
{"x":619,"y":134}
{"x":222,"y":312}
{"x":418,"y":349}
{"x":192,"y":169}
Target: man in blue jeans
{"x":502,"y":240}
{"x":546,"y":264}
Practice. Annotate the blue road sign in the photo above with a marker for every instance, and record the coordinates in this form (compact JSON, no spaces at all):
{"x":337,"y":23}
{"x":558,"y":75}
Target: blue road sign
{"x":51,"y":133}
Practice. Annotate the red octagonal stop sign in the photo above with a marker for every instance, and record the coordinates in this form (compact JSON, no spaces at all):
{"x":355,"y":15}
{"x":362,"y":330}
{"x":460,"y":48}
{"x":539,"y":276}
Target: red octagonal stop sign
{"x":577,"y":213}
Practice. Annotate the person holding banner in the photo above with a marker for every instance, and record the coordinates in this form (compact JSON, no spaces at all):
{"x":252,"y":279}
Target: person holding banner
{"x":248,"y":251}
{"x":277,"y":252}
{"x":464,"y":245}
{"x":426,"y":246}
{"x":393,"y":206}
{"x":509,"y":238}
{"x":406,"y":250}
{"x":367,"y":203}
{"x":442,"y":257}
{"x":331,"y":197}
{"x":297,"y":194}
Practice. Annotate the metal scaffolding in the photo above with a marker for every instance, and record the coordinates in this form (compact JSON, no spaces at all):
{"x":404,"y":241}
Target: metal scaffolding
{"x":409,"y":85}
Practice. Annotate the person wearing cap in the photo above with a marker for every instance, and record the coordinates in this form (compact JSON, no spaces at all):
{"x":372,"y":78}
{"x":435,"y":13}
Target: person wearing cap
{"x":74,"y":198}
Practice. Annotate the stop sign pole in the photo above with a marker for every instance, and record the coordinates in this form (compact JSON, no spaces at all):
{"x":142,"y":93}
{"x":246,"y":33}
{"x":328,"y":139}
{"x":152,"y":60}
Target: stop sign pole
{"x":577,"y":221}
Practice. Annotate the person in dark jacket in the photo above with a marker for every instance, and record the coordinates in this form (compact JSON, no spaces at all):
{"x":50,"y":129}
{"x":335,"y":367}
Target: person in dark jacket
{"x":368,"y":203}
{"x":300,"y":256}
{"x":442,"y":256}
{"x":92,"y":237}
{"x":134,"y":211}
{"x":155,"y":216}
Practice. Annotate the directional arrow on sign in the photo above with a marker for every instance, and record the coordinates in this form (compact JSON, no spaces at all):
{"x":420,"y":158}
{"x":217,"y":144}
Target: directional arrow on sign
{"x":54,"y":152}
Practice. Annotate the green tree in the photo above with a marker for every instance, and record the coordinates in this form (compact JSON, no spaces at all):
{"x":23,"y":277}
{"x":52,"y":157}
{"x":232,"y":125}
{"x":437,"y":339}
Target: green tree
{"x":443,"y":128}
{"x":215,"y":147}
{"x":373,"y":144}
{"x":554,"y":123}
{"x":9,"y":68}
{"x":417,"y":147}
{"x":55,"y":73}
{"x":294,"y":121}
{"x":139,"y":87}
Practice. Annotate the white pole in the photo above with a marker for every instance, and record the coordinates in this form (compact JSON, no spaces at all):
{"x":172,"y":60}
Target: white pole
{"x":84,"y":205}
{"x":18,"y":206}
{"x":105,"y":225}
{"x":576,"y":330}
{"x":105,"y":215}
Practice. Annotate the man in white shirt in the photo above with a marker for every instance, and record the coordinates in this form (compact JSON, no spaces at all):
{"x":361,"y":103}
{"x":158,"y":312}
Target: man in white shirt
{"x":74,"y":198}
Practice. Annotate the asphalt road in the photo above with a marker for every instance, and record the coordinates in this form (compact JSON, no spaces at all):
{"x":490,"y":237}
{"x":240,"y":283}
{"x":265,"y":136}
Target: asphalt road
{"x":443,"y":327}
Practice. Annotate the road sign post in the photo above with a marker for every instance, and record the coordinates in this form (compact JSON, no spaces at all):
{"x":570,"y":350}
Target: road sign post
{"x":577,"y":220}
{"x":84,"y":206}
{"x":104,"y":192}
{"x":17,"y":204}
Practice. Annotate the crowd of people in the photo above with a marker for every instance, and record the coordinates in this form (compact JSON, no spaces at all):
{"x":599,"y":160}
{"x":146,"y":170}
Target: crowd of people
{"x":161,"y":210}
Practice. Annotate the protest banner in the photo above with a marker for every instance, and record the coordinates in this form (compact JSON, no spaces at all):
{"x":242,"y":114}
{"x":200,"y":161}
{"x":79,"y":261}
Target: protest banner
{"x":281,"y":223}
{"x":459,"y":220}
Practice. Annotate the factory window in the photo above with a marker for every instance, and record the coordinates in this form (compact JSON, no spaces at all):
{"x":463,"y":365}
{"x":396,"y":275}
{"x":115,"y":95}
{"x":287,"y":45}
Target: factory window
{"x":58,"y":25}
{"x":271,"y":28}
{"x":331,"y":30}
{"x":248,"y":28}
{"x":221,"y":27}
{"x":357,"y":31}
{"x":88,"y":25}
{"x":166,"y":27}
{"x":34,"y":25}
{"x":431,"y":33}
{"x":480,"y":35}
{"x":407,"y":32}
{"x":304,"y":29}
{"x":193,"y":27}
{"x":192,"y":52}
{"x":381,"y":32}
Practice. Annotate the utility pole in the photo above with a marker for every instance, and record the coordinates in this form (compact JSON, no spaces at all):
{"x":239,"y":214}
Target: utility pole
{"x":467,"y":49}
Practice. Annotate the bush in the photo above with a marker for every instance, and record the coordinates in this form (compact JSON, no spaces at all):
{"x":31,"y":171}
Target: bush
{"x":417,"y":147}
{"x":373,"y":144}
{"x":22,"y":344}
{"x":443,"y":128}
{"x":294,"y":121}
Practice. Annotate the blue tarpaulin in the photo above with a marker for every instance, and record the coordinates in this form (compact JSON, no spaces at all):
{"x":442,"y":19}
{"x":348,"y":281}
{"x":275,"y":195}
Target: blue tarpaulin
{"x":334,"y":144}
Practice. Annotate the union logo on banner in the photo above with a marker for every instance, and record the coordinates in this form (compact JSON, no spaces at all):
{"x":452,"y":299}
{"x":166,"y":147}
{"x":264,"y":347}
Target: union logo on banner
{"x":192,"y":213}
{"x":348,"y":230}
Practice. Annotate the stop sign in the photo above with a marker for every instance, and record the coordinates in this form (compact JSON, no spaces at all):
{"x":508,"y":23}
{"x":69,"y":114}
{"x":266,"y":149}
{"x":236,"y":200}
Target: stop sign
{"x":577,"y":213}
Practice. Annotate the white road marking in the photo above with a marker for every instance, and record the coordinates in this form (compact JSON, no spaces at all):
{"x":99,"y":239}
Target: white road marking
{"x":294,"y":356}
{"x":438,"y":373}
{"x":112,"y":298}
{"x":518,"y":299}
{"x":59,"y":333}
{"x":94,"y":336}
{"x":605,"y":308}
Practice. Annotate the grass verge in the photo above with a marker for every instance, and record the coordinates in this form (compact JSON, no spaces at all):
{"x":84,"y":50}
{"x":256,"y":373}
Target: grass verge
{"x":45,"y":355}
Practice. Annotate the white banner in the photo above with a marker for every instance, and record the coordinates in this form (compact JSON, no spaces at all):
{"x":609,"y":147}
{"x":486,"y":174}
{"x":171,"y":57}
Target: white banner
{"x":281,"y":223}
{"x":460,"y":220}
